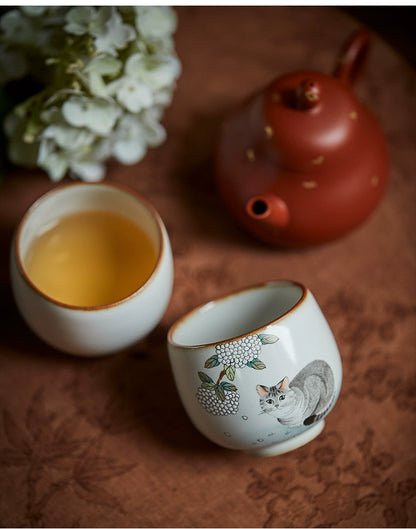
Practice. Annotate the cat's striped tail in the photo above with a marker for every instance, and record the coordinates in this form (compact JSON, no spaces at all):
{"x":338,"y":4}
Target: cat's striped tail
{"x":315,"y":417}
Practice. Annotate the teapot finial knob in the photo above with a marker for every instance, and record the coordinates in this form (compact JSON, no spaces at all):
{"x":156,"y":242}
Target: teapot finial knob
{"x":308,"y":94}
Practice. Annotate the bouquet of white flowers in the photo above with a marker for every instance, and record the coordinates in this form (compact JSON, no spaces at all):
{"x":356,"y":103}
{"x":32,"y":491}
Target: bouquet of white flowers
{"x":107,"y":74}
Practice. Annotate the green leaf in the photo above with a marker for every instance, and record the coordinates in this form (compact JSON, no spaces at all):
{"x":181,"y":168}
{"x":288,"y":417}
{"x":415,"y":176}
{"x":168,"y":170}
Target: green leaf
{"x":212,"y":361}
{"x":256,"y":364}
{"x":230,"y":372}
{"x":204,"y":377}
{"x":228,"y":387}
{"x":267,"y":338}
{"x":208,"y":385}
{"x":220,"y":393}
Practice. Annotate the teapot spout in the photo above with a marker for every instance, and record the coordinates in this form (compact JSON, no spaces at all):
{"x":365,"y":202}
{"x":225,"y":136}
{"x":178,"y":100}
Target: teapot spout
{"x":268,"y":209}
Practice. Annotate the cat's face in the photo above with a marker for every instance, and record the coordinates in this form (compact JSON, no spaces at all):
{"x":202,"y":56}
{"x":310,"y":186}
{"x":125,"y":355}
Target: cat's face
{"x":272,"y":400}
{"x":275,"y":398}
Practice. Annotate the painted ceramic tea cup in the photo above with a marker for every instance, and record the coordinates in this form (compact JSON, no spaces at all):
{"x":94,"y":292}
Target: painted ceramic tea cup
{"x":257,"y":370}
{"x":44,"y":291}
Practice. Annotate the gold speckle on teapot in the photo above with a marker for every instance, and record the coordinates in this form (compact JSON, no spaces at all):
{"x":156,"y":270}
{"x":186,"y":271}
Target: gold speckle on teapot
{"x":353,"y":115}
{"x":269,"y":131}
{"x":311,"y":96}
{"x":318,"y":160}
{"x":309,"y":184}
{"x":374,"y":181}
{"x":276,"y":97}
{"x":250,"y":155}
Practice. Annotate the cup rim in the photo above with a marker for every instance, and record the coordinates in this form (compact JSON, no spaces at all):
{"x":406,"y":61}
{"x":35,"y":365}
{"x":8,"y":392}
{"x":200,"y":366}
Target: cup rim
{"x":206,"y":306}
{"x":112,"y":185}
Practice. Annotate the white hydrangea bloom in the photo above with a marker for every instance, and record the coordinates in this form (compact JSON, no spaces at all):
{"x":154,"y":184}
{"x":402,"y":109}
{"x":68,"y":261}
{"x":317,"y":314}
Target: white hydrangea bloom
{"x":17,"y":27}
{"x":34,"y":11}
{"x":58,"y":161}
{"x":131,"y":93}
{"x":154,"y":131}
{"x":12,"y":22}
{"x":55,"y":163}
{"x":129,"y":140}
{"x":88,"y":171}
{"x":97,"y":114}
{"x":113,"y":35}
{"x":67,"y":137}
{"x":117,"y":71}
{"x":104,"y":23}
{"x":156,"y":71}
{"x":80,"y":20}
{"x":155,"y":22}
{"x":102,"y":149}
{"x":97,"y":69}
{"x":163,"y":98}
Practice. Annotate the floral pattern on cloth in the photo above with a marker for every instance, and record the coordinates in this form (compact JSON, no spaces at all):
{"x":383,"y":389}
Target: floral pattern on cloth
{"x":44,"y":445}
{"x":346,"y":492}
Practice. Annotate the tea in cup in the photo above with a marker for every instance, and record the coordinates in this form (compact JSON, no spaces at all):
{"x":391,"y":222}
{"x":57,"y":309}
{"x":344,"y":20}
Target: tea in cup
{"x":91,"y":268}
{"x":258,"y":370}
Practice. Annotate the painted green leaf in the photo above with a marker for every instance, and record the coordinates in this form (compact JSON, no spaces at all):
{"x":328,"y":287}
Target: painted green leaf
{"x":256,"y":364}
{"x":228,"y":387}
{"x":204,"y":377}
{"x":230,"y":372}
{"x":219,"y":391}
{"x":208,"y":385}
{"x":212,"y":361}
{"x":268,"y":338}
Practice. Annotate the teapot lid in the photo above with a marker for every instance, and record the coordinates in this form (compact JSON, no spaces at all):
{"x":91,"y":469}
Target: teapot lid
{"x":309,"y":115}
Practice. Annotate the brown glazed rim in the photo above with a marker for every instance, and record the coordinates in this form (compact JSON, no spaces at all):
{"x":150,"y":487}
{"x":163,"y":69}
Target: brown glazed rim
{"x":236,"y":293}
{"x":63,"y":187}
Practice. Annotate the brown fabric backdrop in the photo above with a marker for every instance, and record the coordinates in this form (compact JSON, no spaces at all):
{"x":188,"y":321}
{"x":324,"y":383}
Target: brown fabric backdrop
{"x":106,"y":442}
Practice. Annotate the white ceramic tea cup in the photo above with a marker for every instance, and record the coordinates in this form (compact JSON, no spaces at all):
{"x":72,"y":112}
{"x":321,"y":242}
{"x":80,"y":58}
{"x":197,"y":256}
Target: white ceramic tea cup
{"x":257,"y":370}
{"x":95,"y":330}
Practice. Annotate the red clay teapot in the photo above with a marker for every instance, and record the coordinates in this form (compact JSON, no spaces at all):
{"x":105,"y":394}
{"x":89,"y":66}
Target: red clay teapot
{"x":303,"y":162}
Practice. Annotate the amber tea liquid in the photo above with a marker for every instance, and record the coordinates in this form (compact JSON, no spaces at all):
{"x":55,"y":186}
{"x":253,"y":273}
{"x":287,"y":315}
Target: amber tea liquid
{"x":91,"y":258}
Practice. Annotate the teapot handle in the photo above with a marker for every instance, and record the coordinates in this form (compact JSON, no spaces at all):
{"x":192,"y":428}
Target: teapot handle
{"x":353,"y":56}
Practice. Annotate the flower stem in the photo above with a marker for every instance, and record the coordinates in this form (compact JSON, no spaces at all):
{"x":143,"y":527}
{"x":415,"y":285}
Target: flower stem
{"x":221,"y":375}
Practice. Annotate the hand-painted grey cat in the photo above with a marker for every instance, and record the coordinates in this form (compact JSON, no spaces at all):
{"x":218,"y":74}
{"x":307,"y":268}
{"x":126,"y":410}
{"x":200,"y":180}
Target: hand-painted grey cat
{"x":304,"y":400}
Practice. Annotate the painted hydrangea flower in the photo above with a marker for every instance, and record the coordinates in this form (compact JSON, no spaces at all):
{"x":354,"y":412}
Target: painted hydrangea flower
{"x":239,"y":352}
{"x":209,"y":400}
{"x":221,"y":397}
{"x":108,"y":72}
